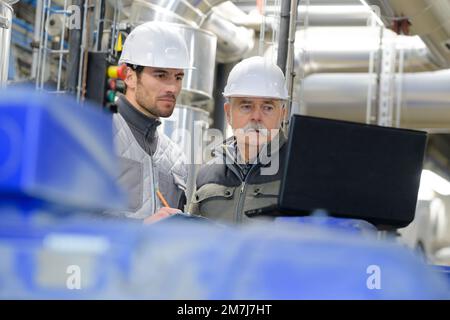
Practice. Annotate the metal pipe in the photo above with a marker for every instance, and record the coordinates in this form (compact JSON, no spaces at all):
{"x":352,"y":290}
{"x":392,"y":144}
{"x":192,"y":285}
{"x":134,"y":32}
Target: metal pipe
{"x":40,"y":48}
{"x":6,"y":13}
{"x":399,"y":88}
{"x":36,"y":38}
{"x":83,"y":47}
{"x":101,"y":23}
{"x":44,"y":50}
{"x":74,"y":53}
{"x":262,"y":30}
{"x":349,"y":49}
{"x":87,"y":27}
{"x":222,"y":72}
{"x":233,"y":41}
{"x":61,"y":48}
{"x":426,"y":18}
{"x":283,"y":40}
{"x":425,"y":98}
{"x":290,"y":73}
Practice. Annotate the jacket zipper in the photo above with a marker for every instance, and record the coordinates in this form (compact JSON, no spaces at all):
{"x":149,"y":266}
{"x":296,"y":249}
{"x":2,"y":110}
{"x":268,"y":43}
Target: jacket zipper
{"x":152,"y":174}
{"x":240,"y":204}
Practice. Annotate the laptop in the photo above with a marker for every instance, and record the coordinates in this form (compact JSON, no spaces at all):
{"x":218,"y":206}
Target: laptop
{"x":350,"y":170}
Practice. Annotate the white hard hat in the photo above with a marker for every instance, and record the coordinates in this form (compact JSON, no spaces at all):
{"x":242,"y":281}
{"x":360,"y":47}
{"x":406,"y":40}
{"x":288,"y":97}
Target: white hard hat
{"x":256,"y":77}
{"x":156,"y":44}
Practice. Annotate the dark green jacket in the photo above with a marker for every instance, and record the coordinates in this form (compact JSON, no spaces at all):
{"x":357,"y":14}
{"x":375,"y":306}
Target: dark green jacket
{"x":224,"y":192}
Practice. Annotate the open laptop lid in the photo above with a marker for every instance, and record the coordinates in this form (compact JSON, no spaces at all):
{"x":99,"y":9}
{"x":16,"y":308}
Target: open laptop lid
{"x":352,"y":170}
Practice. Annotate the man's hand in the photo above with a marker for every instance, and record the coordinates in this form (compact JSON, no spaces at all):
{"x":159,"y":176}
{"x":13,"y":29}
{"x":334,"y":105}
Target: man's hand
{"x":162,"y":213}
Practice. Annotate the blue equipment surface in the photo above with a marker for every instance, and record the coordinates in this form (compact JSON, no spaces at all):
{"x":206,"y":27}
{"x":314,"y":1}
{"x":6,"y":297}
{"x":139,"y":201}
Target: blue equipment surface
{"x":199,"y":261}
{"x":56,"y":152}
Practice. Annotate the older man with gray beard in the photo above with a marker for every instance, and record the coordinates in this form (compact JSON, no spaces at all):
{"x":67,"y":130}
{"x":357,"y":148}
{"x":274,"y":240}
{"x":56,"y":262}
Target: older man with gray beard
{"x":246,"y":169}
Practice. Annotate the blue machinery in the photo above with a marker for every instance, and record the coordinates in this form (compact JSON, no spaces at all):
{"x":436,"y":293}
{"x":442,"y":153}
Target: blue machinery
{"x":57,"y":176}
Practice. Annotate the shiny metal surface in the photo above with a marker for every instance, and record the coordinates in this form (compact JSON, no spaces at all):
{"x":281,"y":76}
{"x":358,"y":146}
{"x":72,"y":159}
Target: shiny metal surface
{"x":191,"y":12}
{"x":425,"y":98}
{"x":348,"y":49}
{"x":233,"y":41}
{"x":428,"y":19}
{"x":198,"y":83}
{"x":163,"y":10}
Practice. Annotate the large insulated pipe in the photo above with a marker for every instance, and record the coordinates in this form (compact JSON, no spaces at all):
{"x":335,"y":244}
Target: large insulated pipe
{"x":426,"y":18}
{"x":233,"y":41}
{"x":283,"y":41}
{"x":36,"y":38}
{"x":425,"y":98}
{"x":333,"y":15}
{"x":6,"y":13}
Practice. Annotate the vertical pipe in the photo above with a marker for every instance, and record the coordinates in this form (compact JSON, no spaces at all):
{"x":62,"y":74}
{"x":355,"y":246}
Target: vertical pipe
{"x":399,"y":83}
{"x":61,"y":48}
{"x":371,"y":73}
{"x":40,"y":42}
{"x":222,"y":71}
{"x":113,"y":32}
{"x":262,"y":31}
{"x":301,"y":74}
{"x":36,"y":38}
{"x":101,"y":23}
{"x":5,"y":41}
{"x":45,"y":49}
{"x":290,"y":74}
{"x":284,"y":34}
{"x":83,"y":47}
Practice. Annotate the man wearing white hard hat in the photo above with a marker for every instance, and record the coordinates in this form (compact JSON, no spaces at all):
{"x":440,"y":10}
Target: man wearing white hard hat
{"x":153,"y":168}
{"x":235,"y":180}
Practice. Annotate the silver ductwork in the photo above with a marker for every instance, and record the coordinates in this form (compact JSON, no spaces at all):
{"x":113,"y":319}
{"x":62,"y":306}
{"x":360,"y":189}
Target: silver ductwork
{"x":170,"y":11}
{"x":425,"y":98}
{"x":198,"y":83}
{"x":348,"y":49}
{"x":429,"y":19}
{"x":334,"y":15}
{"x":6,"y":13}
{"x":319,"y":16}
{"x":233,"y":41}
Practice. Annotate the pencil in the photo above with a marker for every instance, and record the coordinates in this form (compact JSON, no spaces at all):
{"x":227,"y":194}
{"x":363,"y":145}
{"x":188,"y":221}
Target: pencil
{"x":161,"y":198}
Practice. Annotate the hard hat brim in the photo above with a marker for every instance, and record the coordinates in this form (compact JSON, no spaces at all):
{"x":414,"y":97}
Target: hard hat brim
{"x":253,"y":96}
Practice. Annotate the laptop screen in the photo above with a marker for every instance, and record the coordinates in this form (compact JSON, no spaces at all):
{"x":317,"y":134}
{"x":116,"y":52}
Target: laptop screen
{"x":352,"y":170}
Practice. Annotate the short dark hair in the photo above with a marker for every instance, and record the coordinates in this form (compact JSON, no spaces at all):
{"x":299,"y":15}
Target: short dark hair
{"x":136,"y":68}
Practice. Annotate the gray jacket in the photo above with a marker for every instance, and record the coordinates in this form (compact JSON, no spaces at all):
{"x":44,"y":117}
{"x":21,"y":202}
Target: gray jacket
{"x":225,"y":189}
{"x":149,"y":161}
